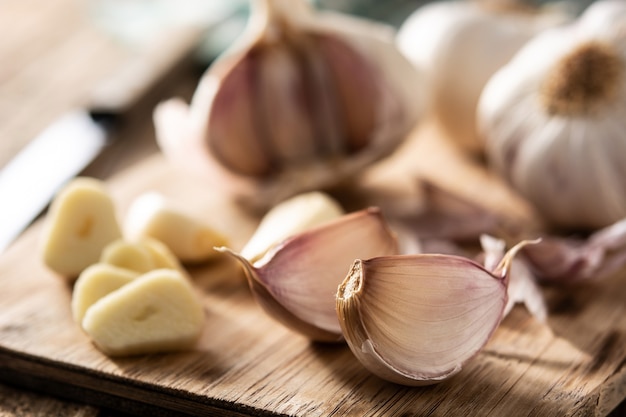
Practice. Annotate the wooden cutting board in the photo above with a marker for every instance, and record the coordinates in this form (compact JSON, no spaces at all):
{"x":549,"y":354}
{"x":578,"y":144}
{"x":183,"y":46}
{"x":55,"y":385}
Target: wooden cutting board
{"x":248,"y":364}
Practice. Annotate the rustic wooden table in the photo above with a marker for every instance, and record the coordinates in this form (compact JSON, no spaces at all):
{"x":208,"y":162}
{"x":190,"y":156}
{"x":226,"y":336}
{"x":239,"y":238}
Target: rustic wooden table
{"x":50,"y":55}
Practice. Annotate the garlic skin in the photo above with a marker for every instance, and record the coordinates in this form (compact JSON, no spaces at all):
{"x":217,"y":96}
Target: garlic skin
{"x":553,"y":120}
{"x":416,"y":319}
{"x":303,"y":100}
{"x":459,"y":45}
{"x":296,"y":281}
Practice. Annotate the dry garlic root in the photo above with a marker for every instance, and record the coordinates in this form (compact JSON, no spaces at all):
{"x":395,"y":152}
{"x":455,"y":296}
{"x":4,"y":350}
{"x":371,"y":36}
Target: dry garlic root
{"x":189,"y":239}
{"x":554,"y":120}
{"x":303,"y":100}
{"x":156,"y":312}
{"x":80,"y":223}
{"x":460,"y":44}
{"x":288,"y":218}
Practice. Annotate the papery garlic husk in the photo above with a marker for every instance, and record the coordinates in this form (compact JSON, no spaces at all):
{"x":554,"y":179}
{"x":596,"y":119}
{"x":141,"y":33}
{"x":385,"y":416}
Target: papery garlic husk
{"x":554,"y":119}
{"x":523,"y":287}
{"x":303,"y":100}
{"x":460,"y":44}
{"x":572,"y":260}
{"x":416,"y":319}
{"x":288,"y":218}
{"x":296,"y":281}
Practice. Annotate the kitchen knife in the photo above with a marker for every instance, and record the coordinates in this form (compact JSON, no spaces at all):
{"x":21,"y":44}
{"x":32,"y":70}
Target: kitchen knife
{"x":31,"y":179}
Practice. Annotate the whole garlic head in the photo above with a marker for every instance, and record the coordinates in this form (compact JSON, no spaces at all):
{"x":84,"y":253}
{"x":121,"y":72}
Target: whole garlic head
{"x":303,"y":100}
{"x":460,"y":44}
{"x":554,"y":120}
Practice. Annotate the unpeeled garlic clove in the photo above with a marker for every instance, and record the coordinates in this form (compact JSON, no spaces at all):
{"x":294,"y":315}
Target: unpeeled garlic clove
{"x":288,"y":218}
{"x":296,"y":281}
{"x":303,"y":100}
{"x":188,"y":238}
{"x":416,"y":319}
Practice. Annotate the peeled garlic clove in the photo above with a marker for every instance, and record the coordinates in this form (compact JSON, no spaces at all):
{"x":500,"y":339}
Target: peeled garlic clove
{"x":288,"y":218}
{"x":295,"y":282}
{"x":128,"y":255}
{"x":189,"y":239}
{"x":553,"y":121}
{"x":416,"y":319}
{"x":303,"y":100}
{"x":94,"y":283}
{"x":156,"y":312}
{"x":80,"y":223}
{"x":459,"y":45}
{"x":141,"y":255}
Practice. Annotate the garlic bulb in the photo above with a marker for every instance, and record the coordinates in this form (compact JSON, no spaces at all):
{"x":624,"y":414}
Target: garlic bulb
{"x":554,"y":119}
{"x":416,"y":319}
{"x":296,"y":281}
{"x":460,"y":44}
{"x":303,"y":100}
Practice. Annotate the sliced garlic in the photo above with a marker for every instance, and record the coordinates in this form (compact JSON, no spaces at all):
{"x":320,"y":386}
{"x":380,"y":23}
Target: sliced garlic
{"x":460,"y":44}
{"x":296,"y":281}
{"x":553,"y":119}
{"x":80,"y":223}
{"x":416,"y":319}
{"x":288,"y":218}
{"x":140,"y":256}
{"x":303,"y":100}
{"x":156,"y":312}
{"x":94,"y":283}
{"x":189,"y":239}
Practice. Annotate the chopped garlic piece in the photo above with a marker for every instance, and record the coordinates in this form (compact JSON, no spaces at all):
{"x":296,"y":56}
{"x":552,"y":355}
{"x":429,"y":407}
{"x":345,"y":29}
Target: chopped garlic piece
{"x":94,"y":283}
{"x":80,"y":223}
{"x":187,"y":237}
{"x":156,"y":312}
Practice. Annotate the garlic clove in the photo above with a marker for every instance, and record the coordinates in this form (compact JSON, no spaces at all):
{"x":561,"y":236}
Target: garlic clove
{"x":296,"y":281}
{"x":290,"y":217}
{"x":156,"y":312}
{"x":552,"y":119}
{"x":416,"y":319}
{"x":303,"y":100}
{"x":128,"y":255}
{"x":95,"y":282}
{"x":142,"y":255}
{"x":80,"y":223}
{"x":188,"y":238}
{"x":459,"y":45}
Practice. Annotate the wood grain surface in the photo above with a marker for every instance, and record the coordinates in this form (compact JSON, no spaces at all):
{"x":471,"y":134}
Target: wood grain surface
{"x":248,"y":364}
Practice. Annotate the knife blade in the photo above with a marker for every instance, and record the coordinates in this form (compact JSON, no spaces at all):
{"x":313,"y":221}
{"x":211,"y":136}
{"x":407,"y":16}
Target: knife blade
{"x":61,"y":151}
